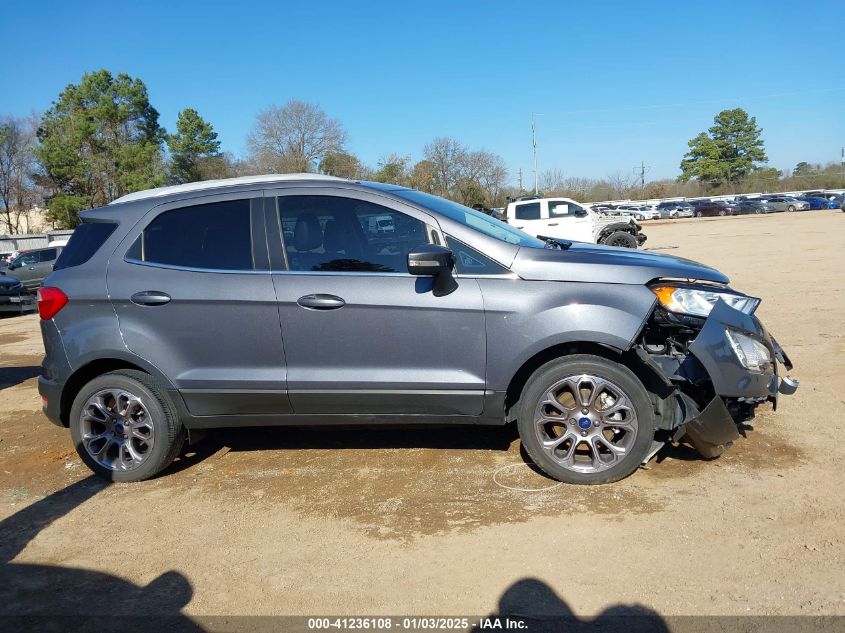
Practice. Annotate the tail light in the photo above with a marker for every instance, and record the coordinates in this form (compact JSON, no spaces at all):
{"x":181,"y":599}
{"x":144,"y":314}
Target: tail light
{"x":50,"y":301}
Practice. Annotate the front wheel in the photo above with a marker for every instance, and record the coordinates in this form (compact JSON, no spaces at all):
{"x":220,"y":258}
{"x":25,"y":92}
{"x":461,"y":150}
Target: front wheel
{"x":721,"y":213}
{"x":584,"y":419}
{"x":621,"y":239}
{"x":791,"y":207}
{"x":699,"y":214}
{"x":124,"y":426}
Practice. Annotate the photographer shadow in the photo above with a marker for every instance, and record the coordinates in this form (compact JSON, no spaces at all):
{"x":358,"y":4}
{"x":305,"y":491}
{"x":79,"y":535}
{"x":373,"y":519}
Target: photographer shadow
{"x":39,"y":597}
{"x":531,"y":605}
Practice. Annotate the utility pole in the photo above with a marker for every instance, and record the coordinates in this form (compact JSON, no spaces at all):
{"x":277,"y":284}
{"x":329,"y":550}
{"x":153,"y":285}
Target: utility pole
{"x":842,"y":161}
{"x":520,"y":178}
{"x":642,"y":170}
{"x":534,"y":143}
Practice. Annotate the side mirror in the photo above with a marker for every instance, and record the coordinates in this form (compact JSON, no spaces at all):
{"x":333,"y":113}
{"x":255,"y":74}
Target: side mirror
{"x":581,"y":214}
{"x":430,"y":260}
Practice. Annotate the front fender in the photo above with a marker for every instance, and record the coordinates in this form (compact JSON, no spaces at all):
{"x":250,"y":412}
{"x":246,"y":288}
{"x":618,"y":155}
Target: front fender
{"x":530,"y":317}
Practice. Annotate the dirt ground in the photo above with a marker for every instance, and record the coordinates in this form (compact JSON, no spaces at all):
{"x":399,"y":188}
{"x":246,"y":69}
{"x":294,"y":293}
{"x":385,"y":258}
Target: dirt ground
{"x":397,"y":521}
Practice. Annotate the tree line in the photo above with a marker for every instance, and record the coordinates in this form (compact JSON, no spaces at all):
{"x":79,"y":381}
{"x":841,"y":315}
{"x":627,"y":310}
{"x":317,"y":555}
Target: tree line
{"x":102,"y":139}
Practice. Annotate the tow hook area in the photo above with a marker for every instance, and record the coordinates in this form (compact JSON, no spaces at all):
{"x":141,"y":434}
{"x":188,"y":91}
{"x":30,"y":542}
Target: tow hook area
{"x":788,"y":385}
{"x":714,"y":424}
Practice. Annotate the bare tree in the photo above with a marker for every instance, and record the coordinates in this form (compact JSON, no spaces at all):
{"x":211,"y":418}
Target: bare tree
{"x":489,"y":171}
{"x":18,"y":193}
{"x":292,"y":137}
{"x":447,"y":155}
{"x":551,"y":180}
{"x":619,"y":183}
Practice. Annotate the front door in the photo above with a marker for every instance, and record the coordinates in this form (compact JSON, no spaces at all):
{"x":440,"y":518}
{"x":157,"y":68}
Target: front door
{"x":363,"y":336}
{"x":570,"y":221}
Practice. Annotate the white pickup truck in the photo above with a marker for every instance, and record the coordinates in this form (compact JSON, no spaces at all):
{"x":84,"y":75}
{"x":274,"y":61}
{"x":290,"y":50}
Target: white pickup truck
{"x":563,"y":218}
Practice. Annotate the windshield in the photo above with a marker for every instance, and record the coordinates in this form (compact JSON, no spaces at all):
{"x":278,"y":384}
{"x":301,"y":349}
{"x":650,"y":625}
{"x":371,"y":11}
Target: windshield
{"x":471,"y":218}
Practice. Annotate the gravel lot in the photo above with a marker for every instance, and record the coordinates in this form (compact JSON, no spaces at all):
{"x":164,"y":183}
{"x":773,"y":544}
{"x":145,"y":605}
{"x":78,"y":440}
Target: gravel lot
{"x":286,"y":521}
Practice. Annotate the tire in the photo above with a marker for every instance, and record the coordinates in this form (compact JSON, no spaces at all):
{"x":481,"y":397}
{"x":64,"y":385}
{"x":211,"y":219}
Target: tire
{"x":721,"y":213}
{"x":757,"y":211}
{"x":791,"y":207}
{"x":574,"y":460}
{"x":620,"y":239}
{"x":699,"y":214}
{"x":148,"y":431}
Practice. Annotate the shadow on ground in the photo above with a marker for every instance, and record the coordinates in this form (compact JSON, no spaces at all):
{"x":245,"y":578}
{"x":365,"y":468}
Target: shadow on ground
{"x":535,"y":604}
{"x":47,"y":597}
{"x":11,"y":376}
{"x":282,"y":438}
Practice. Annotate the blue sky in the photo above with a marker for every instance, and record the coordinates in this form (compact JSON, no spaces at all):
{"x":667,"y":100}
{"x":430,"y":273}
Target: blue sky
{"x":615,"y":82}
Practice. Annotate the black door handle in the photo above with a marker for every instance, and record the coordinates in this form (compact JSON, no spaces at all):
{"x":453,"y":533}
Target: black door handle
{"x":321,"y":302}
{"x":150,"y":298}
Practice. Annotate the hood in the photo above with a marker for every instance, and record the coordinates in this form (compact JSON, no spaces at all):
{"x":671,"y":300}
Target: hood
{"x":594,"y":263}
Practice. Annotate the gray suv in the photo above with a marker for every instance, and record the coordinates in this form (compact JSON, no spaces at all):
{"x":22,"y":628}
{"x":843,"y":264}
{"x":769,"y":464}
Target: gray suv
{"x":32,"y":267}
{"x":277,"y":300}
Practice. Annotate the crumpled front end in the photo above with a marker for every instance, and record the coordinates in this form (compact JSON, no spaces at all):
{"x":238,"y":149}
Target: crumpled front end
{"x":722,"y":368}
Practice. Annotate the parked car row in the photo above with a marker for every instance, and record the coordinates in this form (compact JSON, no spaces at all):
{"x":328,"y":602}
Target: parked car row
{"x":739,"y":205}
{"x":22,"y":276}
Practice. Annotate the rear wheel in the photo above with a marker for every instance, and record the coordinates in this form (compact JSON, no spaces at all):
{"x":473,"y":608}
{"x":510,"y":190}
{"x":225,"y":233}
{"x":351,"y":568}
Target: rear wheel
{"x":124,"y":426}
{"x":622,"y":239}
{"x":699,"y":214}
{"x":722,"y":212}
{"x":586,"y":420}
{"x":791,"y":207}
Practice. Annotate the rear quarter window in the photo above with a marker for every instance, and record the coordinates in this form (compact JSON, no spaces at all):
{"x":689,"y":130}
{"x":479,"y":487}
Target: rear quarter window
{"x":85,"y":241}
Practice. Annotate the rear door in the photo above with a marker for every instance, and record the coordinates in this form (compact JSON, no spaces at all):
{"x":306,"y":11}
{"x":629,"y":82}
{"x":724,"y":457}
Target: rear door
{"x":192,"y":290}
{"x":362,"y":336}
{"x":47,"y":257}
{"x":529,"y":217}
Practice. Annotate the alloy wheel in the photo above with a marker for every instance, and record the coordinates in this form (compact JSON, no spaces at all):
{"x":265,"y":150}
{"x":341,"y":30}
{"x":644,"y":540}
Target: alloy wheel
{"x":117,"y":430}
{"x":586,"y":424}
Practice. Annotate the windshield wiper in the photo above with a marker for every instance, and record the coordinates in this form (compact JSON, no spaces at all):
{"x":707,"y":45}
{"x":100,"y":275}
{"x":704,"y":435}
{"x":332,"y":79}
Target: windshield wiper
{"x":553,"y":242}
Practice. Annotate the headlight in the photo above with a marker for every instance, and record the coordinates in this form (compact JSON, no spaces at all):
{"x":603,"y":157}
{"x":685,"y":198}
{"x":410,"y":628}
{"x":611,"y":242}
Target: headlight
{"x":751,"y":353}
{"x":700,"y":301}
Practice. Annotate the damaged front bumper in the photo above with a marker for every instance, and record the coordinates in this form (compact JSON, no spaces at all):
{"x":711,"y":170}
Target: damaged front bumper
{"x":732,"y":366}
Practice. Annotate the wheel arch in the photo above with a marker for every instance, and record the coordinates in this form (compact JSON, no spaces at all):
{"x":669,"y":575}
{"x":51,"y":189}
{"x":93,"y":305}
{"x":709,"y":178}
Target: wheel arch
{"x":87,"y":372}
{"x":655,"y":382}
{"x":616,"y":226}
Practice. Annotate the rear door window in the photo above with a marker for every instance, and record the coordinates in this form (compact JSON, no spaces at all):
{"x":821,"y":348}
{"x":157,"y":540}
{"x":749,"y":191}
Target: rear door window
{"x":528,"y":211}
{"x":214,"y":236}
{"x":47,"y":255}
